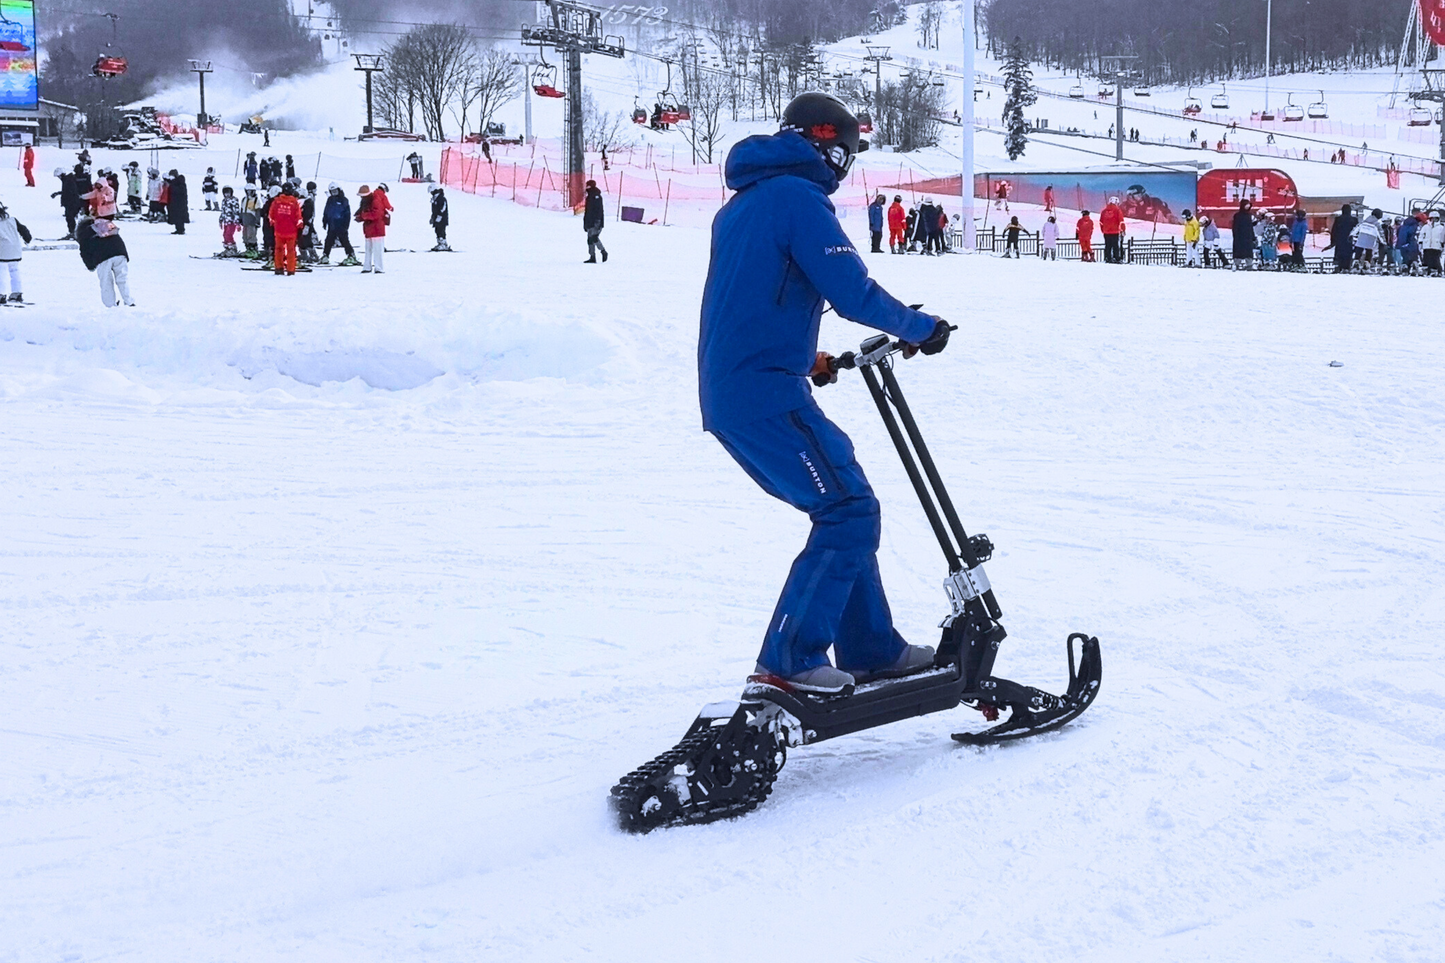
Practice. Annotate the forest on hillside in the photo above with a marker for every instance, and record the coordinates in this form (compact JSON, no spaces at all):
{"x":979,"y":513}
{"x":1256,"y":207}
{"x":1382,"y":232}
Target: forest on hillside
{"x":1202,"y":40}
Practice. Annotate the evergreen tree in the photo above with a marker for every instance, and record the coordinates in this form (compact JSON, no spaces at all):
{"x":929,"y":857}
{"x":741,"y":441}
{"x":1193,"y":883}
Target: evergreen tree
{"x":1018,"y":81}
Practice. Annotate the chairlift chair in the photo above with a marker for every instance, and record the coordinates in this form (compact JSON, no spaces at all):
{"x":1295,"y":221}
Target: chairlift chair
{"x":1420,"y":117}
{"x":1192,"y":106}
{"x":544,"y":81}
{"x":1105,"y":91}
{"x":865,"y":122}
{"x":1076,"y":92}
{"x":1292,"y":111}
{"x":1319,"y":110}
{"x":110,"y":62}
{"x":639,"y":113}
{"x":1141,"y":92}
{"x":1220,"y":101}
{"x":670,"y":114}
{"x":1267,"y":114}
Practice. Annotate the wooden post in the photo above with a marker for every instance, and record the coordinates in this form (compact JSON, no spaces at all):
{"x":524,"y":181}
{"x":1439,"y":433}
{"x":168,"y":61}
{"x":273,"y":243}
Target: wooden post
{"x":667,"y":202}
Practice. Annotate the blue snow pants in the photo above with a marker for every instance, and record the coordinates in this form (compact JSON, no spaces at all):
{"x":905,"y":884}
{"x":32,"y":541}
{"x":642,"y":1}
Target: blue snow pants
{"x":833,"y":595}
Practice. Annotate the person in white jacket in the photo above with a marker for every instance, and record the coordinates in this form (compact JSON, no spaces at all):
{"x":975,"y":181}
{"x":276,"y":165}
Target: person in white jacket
{"x":12,"y":233}
{"x":1432,"y":241}
{"x":1049,"y":240}
{"x":1367,"y":238}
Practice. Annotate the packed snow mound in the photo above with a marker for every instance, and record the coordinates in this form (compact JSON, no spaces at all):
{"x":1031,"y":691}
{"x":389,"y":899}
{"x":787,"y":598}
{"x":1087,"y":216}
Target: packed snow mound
{"x":230,"y":349}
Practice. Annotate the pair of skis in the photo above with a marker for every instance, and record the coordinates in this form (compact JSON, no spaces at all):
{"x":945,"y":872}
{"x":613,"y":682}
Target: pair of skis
{"x":729,"y":758}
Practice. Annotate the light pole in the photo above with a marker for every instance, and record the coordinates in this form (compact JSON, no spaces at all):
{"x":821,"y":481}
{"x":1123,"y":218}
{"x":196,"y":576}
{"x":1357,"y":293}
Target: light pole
{"x":201,"y":68}
{"x":369,"y":64}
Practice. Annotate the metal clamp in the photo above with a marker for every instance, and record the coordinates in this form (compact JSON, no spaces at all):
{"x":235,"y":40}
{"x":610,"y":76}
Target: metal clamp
{"x":964,"y":586}
{"x":873,"y":350}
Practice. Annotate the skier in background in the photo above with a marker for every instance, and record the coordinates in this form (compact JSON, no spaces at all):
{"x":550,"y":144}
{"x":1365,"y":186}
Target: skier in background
{"x":592,"y":222}
{"x":1298,"y":231}
{"x":252,"y":169}
{"x":441,"y":216}
{"x":897,"y":224}
{"x":268,"y":230}
{"x":1341,"y":233}
{"x":230,"y":221}
{"x":336,"y":218}
{"x":306,"y":240}
{"x":13,"y":238}
{"x":1192,"y":233}
{"x":1242,"y":227}
{"x":1432,"y":240}
{"x":875,"y":222}
{"x":778,"y":252}
{"x":133,"y":187}
{"x":101,"y":198}
{"x":155,"y":188}
{"x":1011,"y":237}
{"x":1049,"y":199}
{"x":285,"y":219}
{"x":414,"y":159}
{"x":178,"y":208}
{"x":1111,"y":225}
{"x":290,"y":167}
{"x":250,"y":220}
{"x":373,"y":212}
{"x":1049,"y":240}
{"x":1085,"y":231}
{"x":70,"y":203}
{"x":29,"y":164}
{"x":209,"y":189}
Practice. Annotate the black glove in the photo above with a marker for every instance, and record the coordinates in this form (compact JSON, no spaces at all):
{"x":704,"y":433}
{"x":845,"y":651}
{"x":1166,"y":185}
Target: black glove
{"x":938,"y":340}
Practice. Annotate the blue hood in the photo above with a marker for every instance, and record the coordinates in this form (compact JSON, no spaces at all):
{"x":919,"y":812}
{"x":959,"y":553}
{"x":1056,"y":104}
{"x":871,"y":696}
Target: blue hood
{"x":762,"y":156}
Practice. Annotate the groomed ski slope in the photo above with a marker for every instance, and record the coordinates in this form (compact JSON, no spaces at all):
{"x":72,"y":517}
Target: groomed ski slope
{"x":343,"y":670}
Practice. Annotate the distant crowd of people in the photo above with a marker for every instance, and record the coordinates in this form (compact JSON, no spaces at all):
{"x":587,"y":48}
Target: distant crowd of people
{"x":923,"y":228}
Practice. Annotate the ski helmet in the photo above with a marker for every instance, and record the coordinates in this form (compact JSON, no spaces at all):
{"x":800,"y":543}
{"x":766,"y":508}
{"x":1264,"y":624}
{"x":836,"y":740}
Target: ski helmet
{"x":274,"y":191}
{"x":828,"y":125}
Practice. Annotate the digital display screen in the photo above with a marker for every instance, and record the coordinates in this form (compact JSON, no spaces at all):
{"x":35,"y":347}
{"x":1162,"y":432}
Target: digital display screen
{"x":19,"y":87}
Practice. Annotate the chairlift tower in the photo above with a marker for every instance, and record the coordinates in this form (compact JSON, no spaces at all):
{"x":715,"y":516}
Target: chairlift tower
{"x":1120,"y":75}
{"x":200,"y":68}
{"x":1434,"y":92}
{"x":1417,"y":49}
{"x":877,"y":54}
{"x":368,"y":64}
{"x":573,"y":29}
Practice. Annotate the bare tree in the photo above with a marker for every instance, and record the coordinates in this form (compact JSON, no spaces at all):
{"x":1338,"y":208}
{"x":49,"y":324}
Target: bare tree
{"x":493,"y":83}
{"x":430,"y":67}
{"x":710,"y":96}
{"x":930,"y":18}
{"x":604,"y":129}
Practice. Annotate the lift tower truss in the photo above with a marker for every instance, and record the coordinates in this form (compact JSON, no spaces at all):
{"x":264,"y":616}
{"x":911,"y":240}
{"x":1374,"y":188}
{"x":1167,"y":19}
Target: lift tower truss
{"x":572,"y":29}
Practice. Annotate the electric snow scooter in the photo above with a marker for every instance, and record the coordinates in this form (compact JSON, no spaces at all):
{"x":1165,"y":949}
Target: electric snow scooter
{"x":727,"y":761}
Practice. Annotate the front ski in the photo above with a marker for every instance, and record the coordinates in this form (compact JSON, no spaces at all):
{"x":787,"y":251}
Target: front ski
{"x":724,"y":766}
{"x":1033,"y":711}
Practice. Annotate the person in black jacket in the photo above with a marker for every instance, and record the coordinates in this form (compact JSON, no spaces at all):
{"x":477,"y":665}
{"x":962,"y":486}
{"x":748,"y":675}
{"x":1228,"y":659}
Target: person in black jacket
{"x":307,"y":239}
{"x":178,"y":210}
{"x":1342,"y":233}
{"x":103,"y":251}
{"x":1243,"y":228}
{"x":70,"y":201}
{"x":440,"y":217}
{"x":592,"y":223}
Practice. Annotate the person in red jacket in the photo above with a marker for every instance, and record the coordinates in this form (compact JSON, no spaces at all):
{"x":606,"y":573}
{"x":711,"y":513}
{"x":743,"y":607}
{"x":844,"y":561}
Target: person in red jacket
{"x":285,"y":218}
{"x":29,"y":166}
{"x":1111,"y":225}
{"x":1085,"y":229}
{"x":374,"y":213}
{"x":897,"y":224}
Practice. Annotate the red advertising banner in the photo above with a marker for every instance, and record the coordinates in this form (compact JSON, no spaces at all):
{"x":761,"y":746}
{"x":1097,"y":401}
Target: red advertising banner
{"x":1432,"y":19}
{"x":1220,"y":191}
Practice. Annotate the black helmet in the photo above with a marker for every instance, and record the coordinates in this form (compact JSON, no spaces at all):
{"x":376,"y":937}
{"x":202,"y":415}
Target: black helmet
{"x":828,"y":125}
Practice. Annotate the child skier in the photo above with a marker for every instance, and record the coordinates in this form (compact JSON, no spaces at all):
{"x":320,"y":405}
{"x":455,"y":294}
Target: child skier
{"x":230,"y":221}
{"x":209,"y":189}
{"x":336,"y":218}
{"x":440,"y":216}
{"x":1192,"y":233}
{"x":12,"y":234}
{"x":155,"y":188}
{"x":250,"y":220}
{"x":307,"y":240}
{"x":778,"y":252}
{"x":133,"y":187}
{"x":1011,"y":236}
{"x":1049,"y":239}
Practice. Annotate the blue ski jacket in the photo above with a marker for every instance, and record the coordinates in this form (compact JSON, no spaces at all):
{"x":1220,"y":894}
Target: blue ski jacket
{"x":1405,"y":237}
{"x":336,"y":216}
{"x":777,"y":252}
{"x":875,"y":216}
{"x":1298,"y":230}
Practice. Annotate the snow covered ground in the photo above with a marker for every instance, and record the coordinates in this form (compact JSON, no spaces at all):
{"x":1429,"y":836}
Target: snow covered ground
{"x":334,"y":605}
